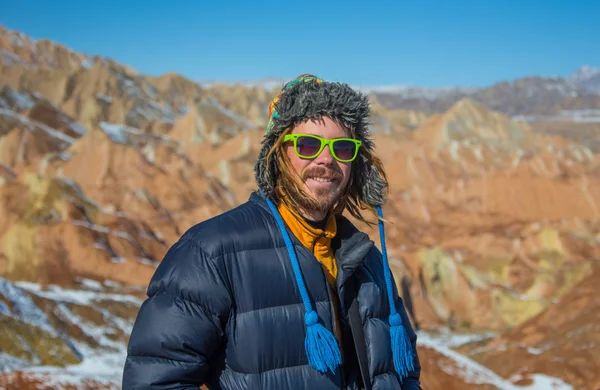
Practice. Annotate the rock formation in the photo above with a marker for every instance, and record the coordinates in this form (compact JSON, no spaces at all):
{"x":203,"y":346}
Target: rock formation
{"x":494,"y":223}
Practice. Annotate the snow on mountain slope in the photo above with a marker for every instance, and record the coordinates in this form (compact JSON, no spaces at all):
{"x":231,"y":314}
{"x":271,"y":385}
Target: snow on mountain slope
{"x":473,"y":372}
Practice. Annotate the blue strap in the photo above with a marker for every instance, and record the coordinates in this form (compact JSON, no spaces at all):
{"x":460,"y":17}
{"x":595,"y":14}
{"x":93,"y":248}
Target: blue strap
{"x":320,"y":344}
{"x":401,"y":346}
{"x":293,"y":258}
{"x":386,"y":266}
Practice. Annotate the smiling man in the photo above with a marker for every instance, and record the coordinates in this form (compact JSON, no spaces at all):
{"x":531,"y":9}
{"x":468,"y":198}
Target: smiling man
{"x":284,"y":292}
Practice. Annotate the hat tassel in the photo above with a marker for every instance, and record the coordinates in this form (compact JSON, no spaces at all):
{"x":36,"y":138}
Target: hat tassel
{"x":402,"y":350}
{"x":321,"y":346}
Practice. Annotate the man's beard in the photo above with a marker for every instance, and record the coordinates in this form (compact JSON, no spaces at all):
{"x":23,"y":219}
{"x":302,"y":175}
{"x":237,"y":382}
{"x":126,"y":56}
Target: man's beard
{"x":322,"y":199}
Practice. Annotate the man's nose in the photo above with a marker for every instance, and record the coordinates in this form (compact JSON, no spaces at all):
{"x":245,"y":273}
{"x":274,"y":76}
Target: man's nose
{"x":325,"y":157}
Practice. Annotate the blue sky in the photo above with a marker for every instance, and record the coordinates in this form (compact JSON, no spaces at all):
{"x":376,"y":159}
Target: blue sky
{"x":419,"y":42}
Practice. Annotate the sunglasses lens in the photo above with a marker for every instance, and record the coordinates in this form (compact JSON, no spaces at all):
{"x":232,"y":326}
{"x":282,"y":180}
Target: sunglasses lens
{"x":307,"y":146}
{"x":344,"y":150}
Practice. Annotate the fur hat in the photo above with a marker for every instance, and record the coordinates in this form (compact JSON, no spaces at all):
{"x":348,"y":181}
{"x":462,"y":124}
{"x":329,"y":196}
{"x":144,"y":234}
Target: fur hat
{"x":308,"y":97}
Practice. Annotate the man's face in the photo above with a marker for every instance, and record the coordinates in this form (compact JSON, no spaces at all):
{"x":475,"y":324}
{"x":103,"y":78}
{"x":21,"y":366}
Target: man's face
{"x":323,"y":177}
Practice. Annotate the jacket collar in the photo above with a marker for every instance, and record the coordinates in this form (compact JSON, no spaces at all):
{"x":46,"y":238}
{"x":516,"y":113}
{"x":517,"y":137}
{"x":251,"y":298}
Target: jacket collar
{"x":351,"y":247}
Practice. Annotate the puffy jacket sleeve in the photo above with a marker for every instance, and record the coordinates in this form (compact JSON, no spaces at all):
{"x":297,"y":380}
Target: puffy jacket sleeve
{"x":181,"y":324}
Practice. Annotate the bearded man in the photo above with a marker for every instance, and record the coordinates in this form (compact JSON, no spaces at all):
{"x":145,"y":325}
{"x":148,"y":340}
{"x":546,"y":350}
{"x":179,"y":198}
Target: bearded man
{"x":283,"y":291}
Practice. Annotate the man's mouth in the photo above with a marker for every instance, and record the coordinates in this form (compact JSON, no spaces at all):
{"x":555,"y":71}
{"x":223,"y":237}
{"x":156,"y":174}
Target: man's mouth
{"x":323,"y":175}
{"x":323,"y":179}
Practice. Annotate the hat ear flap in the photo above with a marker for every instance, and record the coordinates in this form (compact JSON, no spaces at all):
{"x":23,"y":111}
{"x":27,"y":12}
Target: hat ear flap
{"x":266,"y":176}
{"x":372,"y":190}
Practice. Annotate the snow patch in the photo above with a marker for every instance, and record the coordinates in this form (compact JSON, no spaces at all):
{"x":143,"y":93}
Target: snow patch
{"x":104,"y":98}
{"x":103,"y":365}
{"x":20,"y":100}
{"x":454,"y":147}
{"x":475,"y":373}
{"x":584,"y":73}
{"x":56,"y":134}
{"x":112,"y":283}
{"x":535,"y":351}
{"x":542,"y":382}
{"x":10,"y":58}
{"x":149,"y":153}
{"x":130,"y":87}
{"x":104,"y":229}
{"x":150,"y":91}
{"x":152,"y":111}
{"x":78,"y":297}
{"x":224,"y":168}
{"x":75,"y":187}
{"x":164,"y":114}
{"x":268,"y":83}
{"x":15,"y":39}
{"x":23,"y":307}
{"x":412,"y":92}
{"x":77,"y":128}
{"x":91,"y":284}
{"x":10,"y":363}
{"x":246,"y":123}
{"x":146,"y":261}
{"x":182,"y":109}
{"x":119,"y":133}
{"x":576,"y":152}
{"x":87,"y":63}
{"x":478,"y":152}
{"x":33,"y":126}
{"x":517,"y":159}
{"x":454,"y":340}
{"x":577,"y":116}
{"x":469,"y":370}
{"x":588,"y":152}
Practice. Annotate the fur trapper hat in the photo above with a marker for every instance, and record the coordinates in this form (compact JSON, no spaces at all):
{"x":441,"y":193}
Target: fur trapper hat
{"x":308,"y":97}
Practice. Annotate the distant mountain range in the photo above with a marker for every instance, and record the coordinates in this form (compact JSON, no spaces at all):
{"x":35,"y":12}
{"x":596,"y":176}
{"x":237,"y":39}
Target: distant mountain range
{"x":528,"y":98}
{"x":586,"y":77}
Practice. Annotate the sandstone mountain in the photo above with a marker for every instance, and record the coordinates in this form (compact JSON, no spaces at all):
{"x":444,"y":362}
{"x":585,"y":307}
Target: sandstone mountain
{"x":494,"y":232}
{"x":563,"y":339}
{"x":493,"y":210}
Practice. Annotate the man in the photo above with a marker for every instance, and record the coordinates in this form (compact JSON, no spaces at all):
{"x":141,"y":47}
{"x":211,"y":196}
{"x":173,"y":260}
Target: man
{"x":283,"y":292}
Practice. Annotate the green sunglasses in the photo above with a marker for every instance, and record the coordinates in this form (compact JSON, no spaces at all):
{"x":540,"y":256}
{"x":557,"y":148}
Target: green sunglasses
{"x":310,"y":146}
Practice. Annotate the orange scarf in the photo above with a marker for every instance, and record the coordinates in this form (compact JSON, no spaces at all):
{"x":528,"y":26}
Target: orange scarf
{"x":316,"y":240}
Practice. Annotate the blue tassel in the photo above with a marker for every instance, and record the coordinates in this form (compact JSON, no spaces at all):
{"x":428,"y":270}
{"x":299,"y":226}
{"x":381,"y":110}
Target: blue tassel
{"x":401,"y":347}
{"x":402,"y":350}
{"x":321,"y":346}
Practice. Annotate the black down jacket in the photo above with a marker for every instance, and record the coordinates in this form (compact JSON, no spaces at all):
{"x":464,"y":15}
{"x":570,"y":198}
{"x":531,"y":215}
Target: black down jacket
{"x":224,"y":310}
